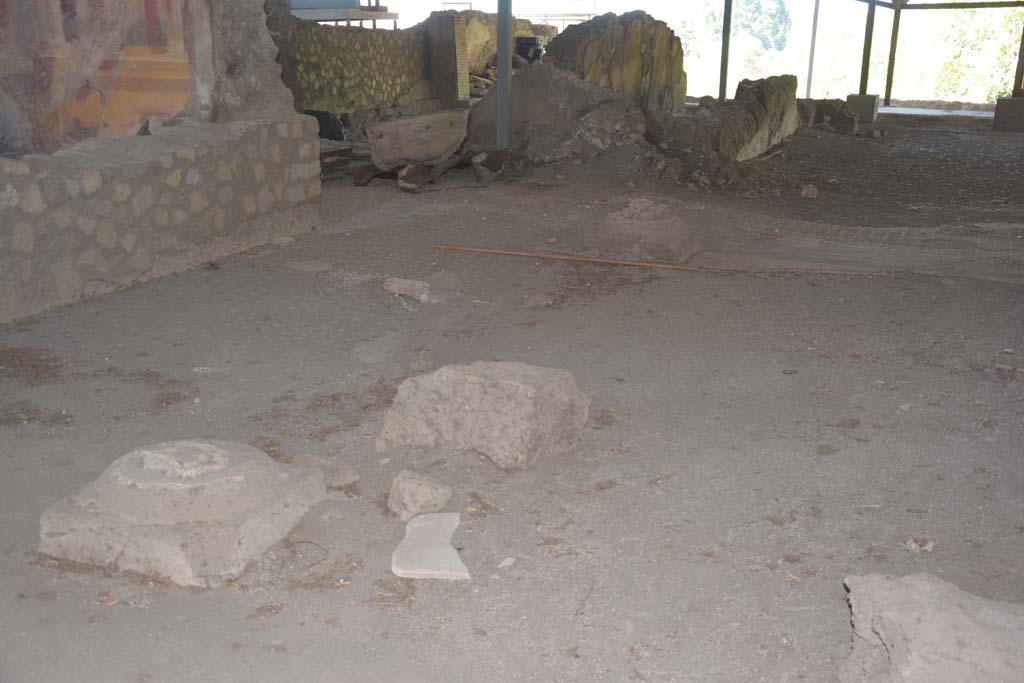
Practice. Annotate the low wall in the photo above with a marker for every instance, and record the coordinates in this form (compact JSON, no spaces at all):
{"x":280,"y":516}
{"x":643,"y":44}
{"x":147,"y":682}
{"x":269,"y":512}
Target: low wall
{"x":371,"y":75}
{"x":358,"y":70}
{"x":104,"y":215}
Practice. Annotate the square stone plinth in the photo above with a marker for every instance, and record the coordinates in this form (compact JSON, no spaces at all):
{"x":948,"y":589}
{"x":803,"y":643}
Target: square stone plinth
{"x":864,"y":106}
{"x":193,"y":512}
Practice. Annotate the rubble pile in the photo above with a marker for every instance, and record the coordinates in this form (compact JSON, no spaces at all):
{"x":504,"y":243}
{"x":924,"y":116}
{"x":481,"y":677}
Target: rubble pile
{"x":555,"y":115}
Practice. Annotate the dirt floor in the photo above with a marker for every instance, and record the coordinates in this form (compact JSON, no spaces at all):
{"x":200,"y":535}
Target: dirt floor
{"x":755,"y":436}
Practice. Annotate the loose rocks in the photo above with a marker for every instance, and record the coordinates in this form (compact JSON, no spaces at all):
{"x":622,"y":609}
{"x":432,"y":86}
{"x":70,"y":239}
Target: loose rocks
{"x":512,"y":412}
{"x":920,"y":629}
{"x":557,"y":116}
{"x":413,"y":494}
{"x":414,"y":289}
{"x":195,"y":512}
{"x":836,"y":115}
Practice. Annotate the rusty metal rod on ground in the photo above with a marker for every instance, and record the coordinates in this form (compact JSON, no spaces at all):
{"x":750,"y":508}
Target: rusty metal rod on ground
{"x":554,"y":256}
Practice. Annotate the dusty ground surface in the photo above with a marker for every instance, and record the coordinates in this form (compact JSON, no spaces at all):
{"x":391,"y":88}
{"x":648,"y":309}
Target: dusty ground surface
{"x":755,"y":436}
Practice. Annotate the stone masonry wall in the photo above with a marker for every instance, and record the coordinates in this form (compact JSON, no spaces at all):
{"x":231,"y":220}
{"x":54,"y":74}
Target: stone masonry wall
{"x":354,"y":69}
{"x":107,"y":214}
{"x":449,"y":71}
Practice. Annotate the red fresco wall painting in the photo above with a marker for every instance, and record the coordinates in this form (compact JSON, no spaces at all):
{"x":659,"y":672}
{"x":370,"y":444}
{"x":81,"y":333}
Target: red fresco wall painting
{"x":92,"y":68}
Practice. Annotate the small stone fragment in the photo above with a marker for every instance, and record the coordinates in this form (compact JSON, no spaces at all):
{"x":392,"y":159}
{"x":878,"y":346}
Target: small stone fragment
{"x":414,"y":176}
{"x":282,"y":240}
{"x":809,"y":191}
{"x":426,"y":551}
{"x":413,"y":494}
{"x":414,"y":289}
{"x":487,"y":166}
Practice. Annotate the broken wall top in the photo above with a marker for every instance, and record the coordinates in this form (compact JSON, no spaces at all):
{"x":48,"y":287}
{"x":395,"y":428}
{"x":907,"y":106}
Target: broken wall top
{"x":634,"y":54}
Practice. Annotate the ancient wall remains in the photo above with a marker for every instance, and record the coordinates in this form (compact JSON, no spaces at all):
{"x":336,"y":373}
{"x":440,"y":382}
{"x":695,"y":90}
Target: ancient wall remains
{"x":75,"y":70}
{"x":107,"y":214}
{"x":449,"y":72}
{"x":370,"y":75}
{"x":238,"y":167}
{"x":634,"y":54}
{"x":482,"y":37}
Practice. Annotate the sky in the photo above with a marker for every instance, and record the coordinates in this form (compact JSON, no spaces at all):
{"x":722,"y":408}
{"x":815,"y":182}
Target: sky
{"x":838,"y":54}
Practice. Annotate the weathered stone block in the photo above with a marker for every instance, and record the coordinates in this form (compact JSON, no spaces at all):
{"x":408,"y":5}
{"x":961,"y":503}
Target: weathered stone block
{"x":428,"y":139}
{"x":806,"y":109}
{"x":62,"y":217}
{"x":14,"y":167}
{"x":920,"y":629}
{"x":173,"y":178}
{"x":106,"y":237}
{"x":762,"y":115}
{"x":32,"y":201}
{"x":512,"y":412}
{"x":194,"y":512}
{"x":837,"y":115}
{"x":633,"y":54}
{"x":197,"y":202}
{"x":120,"y":192}
{"x":413,"y":494}
{"x":864,"y":106}
{"x":143,"y":199}
{"x":91,"y":181}
{"x":555,"y":115}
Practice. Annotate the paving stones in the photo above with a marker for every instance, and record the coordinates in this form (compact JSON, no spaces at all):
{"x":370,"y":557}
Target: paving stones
{"x":426,"y":551}
{"x":194,"y":512}
{"x":512,"y":412}
{"x":920,"y":629}
{"x":413,"y":493}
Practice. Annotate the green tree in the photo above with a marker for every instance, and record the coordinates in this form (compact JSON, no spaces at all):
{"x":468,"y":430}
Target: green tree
{"x":982,"y":57}
{"x":766,"y":20}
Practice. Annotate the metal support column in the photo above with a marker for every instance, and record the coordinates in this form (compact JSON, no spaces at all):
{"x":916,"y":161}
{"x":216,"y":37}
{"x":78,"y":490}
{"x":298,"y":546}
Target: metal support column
{"x":892,"y":50}
{"x":865,"y":64}
{"x":1018,"y":79}
{"x":504,"y":71}
{"x":814,"y":42}
{"x":726,"y":31}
